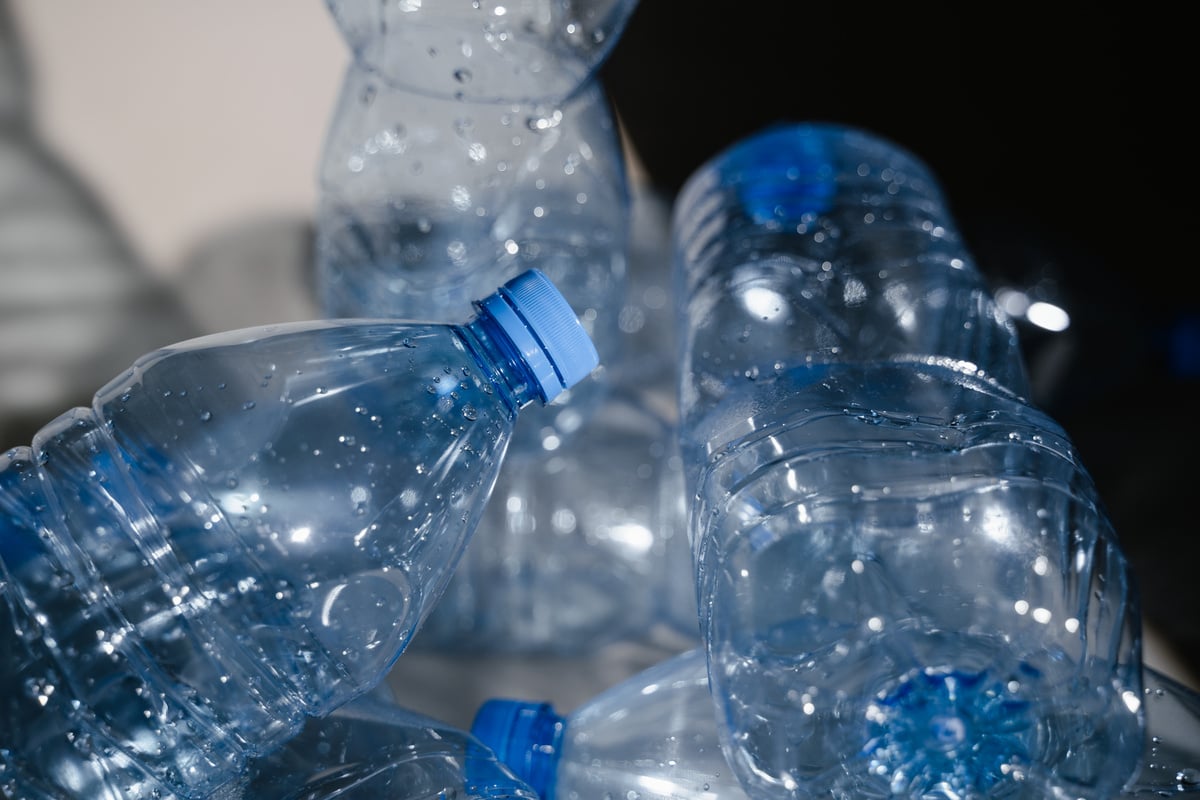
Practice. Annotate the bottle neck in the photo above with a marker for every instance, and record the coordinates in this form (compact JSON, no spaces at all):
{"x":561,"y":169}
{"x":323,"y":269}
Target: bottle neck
{"x":528,"y":737}
{"x":509,"y":369}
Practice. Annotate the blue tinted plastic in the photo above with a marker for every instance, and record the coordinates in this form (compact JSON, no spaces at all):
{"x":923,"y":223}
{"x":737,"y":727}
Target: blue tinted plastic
{"x":908,"y":584}
{"x":245,"y":530}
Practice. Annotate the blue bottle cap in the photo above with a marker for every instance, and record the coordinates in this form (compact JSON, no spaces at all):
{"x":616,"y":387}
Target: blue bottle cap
{"x":785,"y":172}
{"x":525,"y":736}
{"x":544,"y":329}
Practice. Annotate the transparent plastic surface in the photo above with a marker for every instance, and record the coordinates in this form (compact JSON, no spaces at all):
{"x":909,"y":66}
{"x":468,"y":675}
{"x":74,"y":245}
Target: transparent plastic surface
{"x":481,"y":50}
{"x":584,"y":542}
{"x":578,"y":547}
{"x":244,"y":530}
{"x":1171,"y":759}
{"x":652,"y":736}
{"x":372,"y":749}
{"x":908,"y":586}
{"x":426,"y":204}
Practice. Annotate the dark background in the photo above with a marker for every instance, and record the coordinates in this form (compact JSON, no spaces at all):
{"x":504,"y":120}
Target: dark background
{"x":1067,"y":152}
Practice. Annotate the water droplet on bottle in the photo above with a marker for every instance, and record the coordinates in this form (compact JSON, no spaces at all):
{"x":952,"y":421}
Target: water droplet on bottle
{"x":462,"y":75}
{"x":249,"y":404}
{"x":470,"y":413}
{"x":205,"y":416}
{"x":1189,"y":776}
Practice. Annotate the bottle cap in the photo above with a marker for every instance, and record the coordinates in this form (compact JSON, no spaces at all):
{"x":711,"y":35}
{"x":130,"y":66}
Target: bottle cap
{"x":525,"y":736}
{"x":784,"y":172}
{"x":544,"y":329}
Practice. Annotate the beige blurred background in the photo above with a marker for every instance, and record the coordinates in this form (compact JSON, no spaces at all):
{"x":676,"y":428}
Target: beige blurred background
{"x":186,"y":118}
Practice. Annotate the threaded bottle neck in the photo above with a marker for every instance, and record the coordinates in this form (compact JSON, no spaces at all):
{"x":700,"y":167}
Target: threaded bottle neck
{"x":526,"y":736}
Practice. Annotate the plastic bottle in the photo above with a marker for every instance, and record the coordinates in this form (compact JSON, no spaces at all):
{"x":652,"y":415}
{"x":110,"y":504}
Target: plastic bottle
{"x":430,"y":188}
{"x":426,"y":202}
{"x":374,"y":749}
{"x":424,"y":198}
{"x":908,"y":585}
{"x":585,"y":544}
{"x":483,"y":51}
{"x":245,"y":530}
{"x":654,"y":736}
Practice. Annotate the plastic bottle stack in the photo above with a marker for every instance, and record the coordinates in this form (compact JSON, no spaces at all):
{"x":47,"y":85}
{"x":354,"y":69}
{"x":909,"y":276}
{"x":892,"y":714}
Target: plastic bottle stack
{"x":908,"y":583}
{"x":468,"y":144}
{"x":245,"y":530}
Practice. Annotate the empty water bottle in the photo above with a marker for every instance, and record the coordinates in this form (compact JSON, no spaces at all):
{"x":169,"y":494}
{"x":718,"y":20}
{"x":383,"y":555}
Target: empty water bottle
{"x":245,"y":530}
{"x":651,"y":737}
{"x":584,"y":541}
{"x":483,"y":51}
{"x":425,"y":203}
{"x":374,"y":749}
{"x":430,"y":189}
{"x":579,"y":547}
{"x":909,"y":587}
{"x":654,"y":737}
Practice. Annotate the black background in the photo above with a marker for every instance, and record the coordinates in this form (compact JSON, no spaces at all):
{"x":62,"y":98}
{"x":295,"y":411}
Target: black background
{"x":1066,"y":148}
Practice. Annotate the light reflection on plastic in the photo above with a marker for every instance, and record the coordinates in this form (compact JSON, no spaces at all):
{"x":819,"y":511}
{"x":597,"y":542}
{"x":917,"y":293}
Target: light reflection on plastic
{"x":1045,"y":315}
{"x":767,"y":304}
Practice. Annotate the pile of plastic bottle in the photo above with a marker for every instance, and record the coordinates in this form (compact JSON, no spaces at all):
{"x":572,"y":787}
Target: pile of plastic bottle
{"x":778,"y":434}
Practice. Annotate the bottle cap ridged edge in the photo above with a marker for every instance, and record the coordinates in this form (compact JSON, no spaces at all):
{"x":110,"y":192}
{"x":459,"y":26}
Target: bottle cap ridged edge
{"x":551,"y":320}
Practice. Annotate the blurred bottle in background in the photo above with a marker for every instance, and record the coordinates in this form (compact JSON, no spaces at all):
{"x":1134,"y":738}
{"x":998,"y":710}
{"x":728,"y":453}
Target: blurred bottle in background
{"x":76,"y":304}
{"x":908,"y":583}
{"x":484,"y":51}
{"x":439,"y":175}
{"x":590,"y":540}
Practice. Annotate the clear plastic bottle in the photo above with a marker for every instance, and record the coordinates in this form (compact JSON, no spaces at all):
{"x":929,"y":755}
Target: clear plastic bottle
{"x":430,"y":188}
{"x":654,"y":736}
{"x":482,"y":50}
{"x":909,"y":587}
{"x":245,"y":530}
{"x":584,"y":543}
{"x":374,"y":749}
{"x":579,"y":547}
{"x":426,"y":202}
